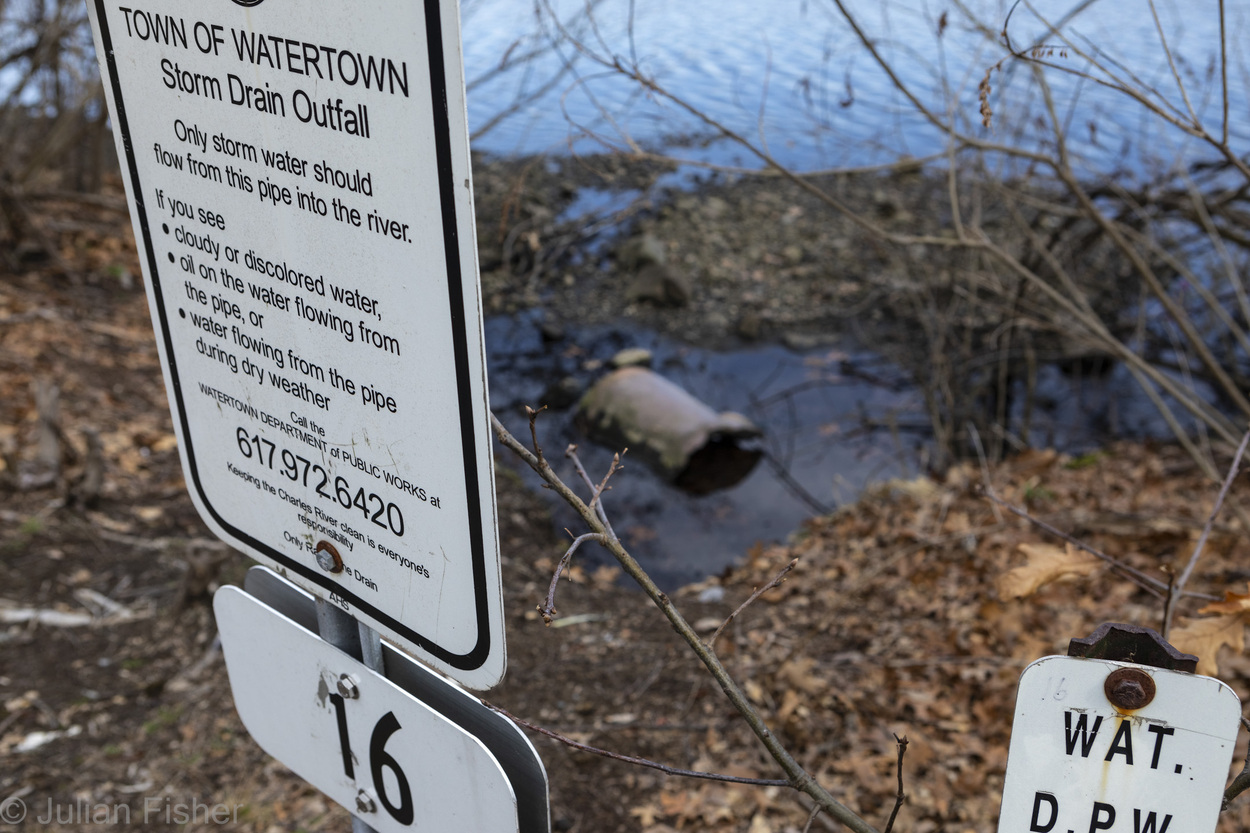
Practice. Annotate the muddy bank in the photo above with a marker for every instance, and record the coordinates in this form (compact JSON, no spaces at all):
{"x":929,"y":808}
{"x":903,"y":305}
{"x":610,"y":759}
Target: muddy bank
{"x":718,"y":260}
{"x":710,"y":259}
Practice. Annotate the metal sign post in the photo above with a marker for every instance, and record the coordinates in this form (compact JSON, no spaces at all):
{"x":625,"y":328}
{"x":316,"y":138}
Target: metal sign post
{"x":298,"y":179}
{"x":299,"y":183}
{"x":1102,"y":743}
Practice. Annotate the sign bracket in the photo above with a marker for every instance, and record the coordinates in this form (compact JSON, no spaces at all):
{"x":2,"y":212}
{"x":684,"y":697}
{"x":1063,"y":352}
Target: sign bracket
{"x":1132,"y":643}
{"x":358,"y":641}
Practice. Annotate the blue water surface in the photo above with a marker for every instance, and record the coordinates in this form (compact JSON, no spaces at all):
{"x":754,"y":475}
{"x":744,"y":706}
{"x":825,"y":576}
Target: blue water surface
{"x":793,"y":77}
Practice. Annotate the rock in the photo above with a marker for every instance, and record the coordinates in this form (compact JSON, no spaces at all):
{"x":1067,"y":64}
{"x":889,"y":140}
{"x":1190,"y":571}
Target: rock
{"x":632,"y":357}
{"x":802,"y":342}
{"x":714,"y":208}
{"x":659,"y":285}
{"x":750,"y":325}
{"x":642,"y":251}
{"x":712,"y":595}
{"x":562,"y":394}
{"x":551,"y":329}
{"x":886,"y":205}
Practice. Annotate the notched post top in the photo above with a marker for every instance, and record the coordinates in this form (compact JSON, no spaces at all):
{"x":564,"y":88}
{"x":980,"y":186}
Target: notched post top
{"x":1131,"y":643}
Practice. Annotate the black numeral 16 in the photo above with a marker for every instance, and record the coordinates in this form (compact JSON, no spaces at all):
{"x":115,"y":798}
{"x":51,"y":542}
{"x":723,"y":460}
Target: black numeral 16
{"x":379,"y":760}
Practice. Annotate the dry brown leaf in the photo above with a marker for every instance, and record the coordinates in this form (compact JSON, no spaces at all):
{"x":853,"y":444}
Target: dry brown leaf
{"x":1233,"y":603}
{"x":1204,"y":637}
{"x":790,"y":701}
{"x":759,"y":824}
{"x":798,"y":673}
{"x":1046,"y":563}
{"x":646,"y":814}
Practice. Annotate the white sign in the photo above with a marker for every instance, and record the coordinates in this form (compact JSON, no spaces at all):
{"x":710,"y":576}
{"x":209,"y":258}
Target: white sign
{"x":505,"y":740}
{"x":298,"y":176}
{"x":1078,"y":764}
{"x":370,"y":746}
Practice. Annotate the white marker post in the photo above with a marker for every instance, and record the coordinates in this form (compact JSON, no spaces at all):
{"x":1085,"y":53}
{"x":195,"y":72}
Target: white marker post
{"x":299,"y":182}
{"x":397,"y":763}
{"x":1105,"y":745}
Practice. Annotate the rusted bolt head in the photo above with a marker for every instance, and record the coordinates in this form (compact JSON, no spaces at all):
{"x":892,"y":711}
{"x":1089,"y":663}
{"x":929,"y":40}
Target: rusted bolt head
{"x":1129,"y":688}
{"x":328,"y":557}
{"x":365,"y":802}
{"x":348,"y":687}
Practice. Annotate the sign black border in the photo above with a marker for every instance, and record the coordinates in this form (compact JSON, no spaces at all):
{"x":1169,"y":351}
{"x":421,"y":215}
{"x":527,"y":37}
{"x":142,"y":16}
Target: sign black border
{"x":478,"y":655}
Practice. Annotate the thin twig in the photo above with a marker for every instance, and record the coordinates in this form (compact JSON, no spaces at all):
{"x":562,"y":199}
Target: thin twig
{"x":777,"y":581}
{"x":797,"y":777}
{"x":1147,"y":582}
{"x":985,"y":466}
{"x":630,"y":759}
{"x":603,"y":484}
{"x":1176,"y":75}
{"x":596,"y":492}
{"x":1170,"y":608}
{"x":1168,"y":600}
{"x":1242,"y":782}
{"x":1223,"y":76}
{"x":533,"y":415}
{"x":811,"y":818}
{"x":898,"y":799}
{"x":571,"y":453}
{"x":796,"y":488}
{"x":548,"y":610}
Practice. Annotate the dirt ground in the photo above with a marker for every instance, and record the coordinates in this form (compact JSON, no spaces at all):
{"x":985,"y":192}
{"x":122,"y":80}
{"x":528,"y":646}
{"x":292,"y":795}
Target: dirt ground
{"x":903,"y":616}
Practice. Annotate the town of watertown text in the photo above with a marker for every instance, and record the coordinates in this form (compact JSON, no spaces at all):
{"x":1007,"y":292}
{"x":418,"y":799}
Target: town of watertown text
{"x":154,"y":810}
{"x":321,"y":62}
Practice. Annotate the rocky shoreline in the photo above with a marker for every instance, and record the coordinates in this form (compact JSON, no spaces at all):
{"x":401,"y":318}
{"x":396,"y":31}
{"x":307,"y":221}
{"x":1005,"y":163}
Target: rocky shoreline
{"x":712,"y":259}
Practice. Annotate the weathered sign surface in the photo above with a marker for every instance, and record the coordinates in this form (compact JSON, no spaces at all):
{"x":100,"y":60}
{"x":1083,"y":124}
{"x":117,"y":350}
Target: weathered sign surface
{"x":389,"y":758}
{"x":298,"y":176}
{"x":1079,"y":764}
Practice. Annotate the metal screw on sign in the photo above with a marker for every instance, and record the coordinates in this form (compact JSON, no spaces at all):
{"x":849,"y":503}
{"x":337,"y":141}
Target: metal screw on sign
{"x":365,"y":802}
{"x":328,"y":557}
{"x":348,"y":687}
{"x":1130,"y":689}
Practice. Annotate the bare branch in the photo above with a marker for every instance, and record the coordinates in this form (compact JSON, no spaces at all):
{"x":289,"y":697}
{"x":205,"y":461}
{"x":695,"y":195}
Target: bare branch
{"x":533,"y":415}
{"x":548,"y":610}
{"x":630,"y":759}
{"x":777,"y":581}
{"x":1170,"y":609}
{"x":797,"y":777}
{"x":1242,"y":782}
{"x":1223,"y":76}
{"x":1176,"y":75}
{"x":1147,"y":582}
{"x":596,"y":492}
{"x":901,"y":796}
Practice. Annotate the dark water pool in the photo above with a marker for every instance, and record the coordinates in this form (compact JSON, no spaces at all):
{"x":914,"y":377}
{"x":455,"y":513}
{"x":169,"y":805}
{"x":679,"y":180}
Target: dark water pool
{"x":836,"y":418}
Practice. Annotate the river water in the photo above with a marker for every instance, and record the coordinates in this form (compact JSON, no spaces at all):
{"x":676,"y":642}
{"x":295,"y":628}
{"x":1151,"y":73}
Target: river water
{"x":793,"y":75}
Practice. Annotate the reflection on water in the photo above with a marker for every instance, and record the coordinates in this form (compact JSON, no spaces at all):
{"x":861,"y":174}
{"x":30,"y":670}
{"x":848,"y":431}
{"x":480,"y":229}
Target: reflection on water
{"x":794,"y":75}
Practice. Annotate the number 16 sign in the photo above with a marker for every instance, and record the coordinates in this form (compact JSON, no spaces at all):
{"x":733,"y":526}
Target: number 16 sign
{"x":369,"y":745}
